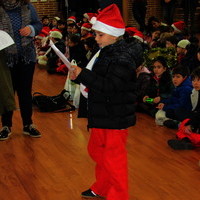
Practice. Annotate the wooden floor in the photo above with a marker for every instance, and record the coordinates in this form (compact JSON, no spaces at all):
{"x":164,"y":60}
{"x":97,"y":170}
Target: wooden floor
{"x":57,"y":166}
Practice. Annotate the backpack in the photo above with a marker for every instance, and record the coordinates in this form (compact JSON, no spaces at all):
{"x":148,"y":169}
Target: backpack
{"x":58,"y":103}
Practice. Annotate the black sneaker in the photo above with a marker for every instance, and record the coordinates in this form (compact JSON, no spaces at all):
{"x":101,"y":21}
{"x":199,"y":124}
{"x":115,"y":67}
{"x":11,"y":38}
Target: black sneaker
{"x":5,"y":133}
{"x":90,"y":194}
{"x":31,"y":130}
{"x":171,"y":124}
{"x":180,"y":145}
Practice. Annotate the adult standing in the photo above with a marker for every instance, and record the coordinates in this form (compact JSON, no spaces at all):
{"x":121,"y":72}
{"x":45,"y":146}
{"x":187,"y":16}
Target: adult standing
{"x":7,"y":101}
{"x":19,"y":19}
{"x":168,"y":9}
{"x":189,"y":8}
{"x":139,"y":8}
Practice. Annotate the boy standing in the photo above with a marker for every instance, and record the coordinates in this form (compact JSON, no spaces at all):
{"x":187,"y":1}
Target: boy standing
{"x":188,"y":136}
{"x":110,"y":78}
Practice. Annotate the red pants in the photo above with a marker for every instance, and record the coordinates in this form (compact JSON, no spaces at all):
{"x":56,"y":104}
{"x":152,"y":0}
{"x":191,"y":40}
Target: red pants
{"x":107,"y":147}
{"x":193,"y":137}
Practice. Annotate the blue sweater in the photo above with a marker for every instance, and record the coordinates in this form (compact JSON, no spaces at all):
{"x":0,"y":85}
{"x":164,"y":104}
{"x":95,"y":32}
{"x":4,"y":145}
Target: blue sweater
{"x":180,"y":97}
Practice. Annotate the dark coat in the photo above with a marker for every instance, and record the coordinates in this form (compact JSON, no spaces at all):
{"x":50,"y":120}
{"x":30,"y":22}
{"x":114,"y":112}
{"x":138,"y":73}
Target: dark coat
{"x":52,"y":56}
{"x":7,"y":100}
{"x":162,"y":88}
{"x":112,"y":87}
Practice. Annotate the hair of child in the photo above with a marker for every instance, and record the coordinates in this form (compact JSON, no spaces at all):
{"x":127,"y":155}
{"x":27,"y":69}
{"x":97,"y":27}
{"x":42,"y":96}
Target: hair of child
{"x":74,"y":38}
{"x":180,"y":69}
{"x":162,"y":60}
{"x":195,"y":73}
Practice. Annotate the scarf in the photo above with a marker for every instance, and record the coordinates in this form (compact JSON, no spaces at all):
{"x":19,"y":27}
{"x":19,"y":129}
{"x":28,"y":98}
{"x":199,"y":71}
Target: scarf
{"x":11,"y":4}
{"x":6,"y":25}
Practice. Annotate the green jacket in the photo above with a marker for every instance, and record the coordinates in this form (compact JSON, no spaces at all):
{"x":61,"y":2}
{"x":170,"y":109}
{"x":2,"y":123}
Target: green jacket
{"x":7,"y":101}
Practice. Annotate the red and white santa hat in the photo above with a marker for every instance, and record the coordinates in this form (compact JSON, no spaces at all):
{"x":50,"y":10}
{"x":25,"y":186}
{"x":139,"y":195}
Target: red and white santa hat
{"x":89,"y":15}
{"x":72,"y":18}
{"x":86,"y":26}
{"x":178,"y":26}
{"x":40,"y":36}
{"x":109,"y":20}
{"x":131,"y":31}
{"x":139,"y":35}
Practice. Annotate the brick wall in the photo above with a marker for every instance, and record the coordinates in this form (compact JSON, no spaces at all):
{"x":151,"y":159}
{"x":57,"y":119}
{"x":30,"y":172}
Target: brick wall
{"x":51,"y":9}
{"x":48,"y":7}
{"x":154,"y":9}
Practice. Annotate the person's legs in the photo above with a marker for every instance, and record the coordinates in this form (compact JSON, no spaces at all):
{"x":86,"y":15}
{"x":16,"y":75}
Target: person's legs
{"x":139,"y":13}
{"x":107,"y":148}
{"x":23,"y":84}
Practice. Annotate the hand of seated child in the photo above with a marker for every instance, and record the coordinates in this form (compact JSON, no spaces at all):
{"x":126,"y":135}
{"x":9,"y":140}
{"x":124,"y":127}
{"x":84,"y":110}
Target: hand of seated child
{"x":144,"y":98}
{"x":156,"y":100}
{"x":160,"y":106}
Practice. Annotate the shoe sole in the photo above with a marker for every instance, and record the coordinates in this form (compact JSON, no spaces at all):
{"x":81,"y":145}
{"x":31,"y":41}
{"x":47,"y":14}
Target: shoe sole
{"x":35,"y":136}
{"x":84,"y":197}
{"x":95,"y":197}
{"x":3,"y":139}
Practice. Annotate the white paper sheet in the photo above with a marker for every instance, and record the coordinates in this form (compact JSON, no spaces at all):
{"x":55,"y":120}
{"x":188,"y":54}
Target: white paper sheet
{"x":60,"y":55}
{"x":5,"y":40}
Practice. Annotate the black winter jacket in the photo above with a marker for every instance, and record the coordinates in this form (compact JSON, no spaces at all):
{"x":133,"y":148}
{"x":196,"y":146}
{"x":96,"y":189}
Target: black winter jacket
{"x":112,"y":86}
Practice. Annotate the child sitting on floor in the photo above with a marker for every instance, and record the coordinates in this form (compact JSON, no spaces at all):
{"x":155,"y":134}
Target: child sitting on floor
{"x":188,"y":136}
{"x":160,"y":87}
{"x":177,"y":106}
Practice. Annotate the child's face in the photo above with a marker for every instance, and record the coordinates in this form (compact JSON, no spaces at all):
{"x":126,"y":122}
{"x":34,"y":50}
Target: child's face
{"x":61,"y":26}
{"x":45,"y":21}
{"x":177,"y":79}
{"x":69,"y":29}
{"x":103,"y":39}
{"x":180,"y":50}
{"x":196,"y":83}
{"x":158,"y":68}
{"x":155,"y":24}
{"x":84,"y":32}
{"x":169,"y":44}
{"x":155,"y":34}
{"x":198,"y":56}
{"x":54,"y":22}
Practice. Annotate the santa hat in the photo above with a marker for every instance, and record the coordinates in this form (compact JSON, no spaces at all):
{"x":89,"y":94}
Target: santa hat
{"x":40,"y":36}
{"x":56,"y":34}
{"x":109,"y":21}
{"x":86,"y":26}
{"x":89,"y":15}
{"x":72,"y":18}
{"x":183,"y":43}
{"x":45,"y":30}
{"x":131,"y":31}
{"x":178,"y":26}
{"x":139,"y":35}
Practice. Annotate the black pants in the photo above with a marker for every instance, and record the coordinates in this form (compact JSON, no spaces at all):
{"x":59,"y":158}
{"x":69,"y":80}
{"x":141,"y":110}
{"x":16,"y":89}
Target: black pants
{"x":139,"y":12}
{"x":178,"y":114}
{"x":168,"y":12}
{"x":189,"y":7}
{"x":22,"y":78}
